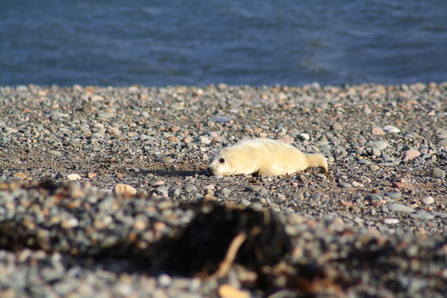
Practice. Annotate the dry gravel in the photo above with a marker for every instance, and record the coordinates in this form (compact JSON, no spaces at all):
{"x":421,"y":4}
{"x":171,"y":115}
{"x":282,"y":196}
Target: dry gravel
{"x":374,"y":226}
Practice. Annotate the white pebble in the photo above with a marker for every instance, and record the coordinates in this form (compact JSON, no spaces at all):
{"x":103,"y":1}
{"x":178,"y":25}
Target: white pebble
{"x":391,"y":129}
{"x":73,"y":177}
{"x":428,"y":200}
{"x":390,"y":221}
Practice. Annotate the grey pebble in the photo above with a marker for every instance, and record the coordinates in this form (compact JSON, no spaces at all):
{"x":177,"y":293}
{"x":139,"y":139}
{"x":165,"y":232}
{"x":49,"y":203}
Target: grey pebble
{"x":438,"y":173}
{"x":220,"y":119}
{"x":105,"y":115}
{"x":254,"y":188}
{"x":373,"y":197}
{"x":440,"y":214}
{"x":380,"y":145}
{"x":166,"y":159}
{"x":400,"y":208}
{"x":344,"y":185}
{"x":174,"y":191}
{"x":263,"y":192}
{"x":393,"y":195}
{"x":421,"y":215}
{"x":190,"y":187}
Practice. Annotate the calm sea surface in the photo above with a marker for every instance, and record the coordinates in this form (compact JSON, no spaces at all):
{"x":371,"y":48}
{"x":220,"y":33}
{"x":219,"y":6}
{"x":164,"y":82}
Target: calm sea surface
{"x":157,"y":43}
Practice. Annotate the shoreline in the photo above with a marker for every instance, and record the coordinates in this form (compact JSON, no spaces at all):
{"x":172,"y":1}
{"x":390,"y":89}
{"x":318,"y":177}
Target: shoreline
{"x":385,"y":191}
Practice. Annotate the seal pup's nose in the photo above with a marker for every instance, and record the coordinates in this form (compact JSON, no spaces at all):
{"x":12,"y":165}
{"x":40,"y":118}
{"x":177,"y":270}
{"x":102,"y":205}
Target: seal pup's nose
{"x":209,"y":171}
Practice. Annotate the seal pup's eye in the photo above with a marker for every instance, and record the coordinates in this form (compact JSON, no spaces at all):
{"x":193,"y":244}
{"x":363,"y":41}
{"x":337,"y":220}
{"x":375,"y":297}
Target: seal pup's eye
{"x":222,"y":160}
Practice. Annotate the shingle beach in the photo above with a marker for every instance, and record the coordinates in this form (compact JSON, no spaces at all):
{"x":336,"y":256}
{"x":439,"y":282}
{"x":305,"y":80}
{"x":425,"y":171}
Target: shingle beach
{"x":97,"y":186}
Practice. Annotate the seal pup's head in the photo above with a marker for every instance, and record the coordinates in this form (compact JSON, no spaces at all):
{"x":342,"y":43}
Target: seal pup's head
{"x":223,"y":162}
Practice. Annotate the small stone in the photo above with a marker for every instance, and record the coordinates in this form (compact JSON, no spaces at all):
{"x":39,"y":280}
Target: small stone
{"x":336,"y":126}
{"x":227,"y":291}
{"x":391,"y":129}
{"x":176,"y":107}
{"x":164,"y":280}
{"x":344,"y":185}
{"x":55,"y":153}
{"x":139,"y":225}
{"x":209,"y":186}
{"x":105,"y":115}
{"x":225,"y":191}
{"x":440,"y":214}
{"x":20,"y":175}
{"x":304,"y":136}
{"x":390,"y":221}
{"x":373,"y":168}
{"x":209,"y":197}
{"x":393,"y":195}
{"x":438,"y":173}
{"x":187,"y":140}
{"x":166,"y":159}
{"x":381,"y":145}
{"x":373,"y":197}
{"x":400,"y":208}
{"x":411,"y":154}
{"x":91,"y":175}
{"x":220,"y":119}
{"x":173,"y":139}
{"x":377,"y":131}
{"x":69,"y":223}
{"x":376,"y":152}
{"x":357,"y":184}
{"x":204,"y":140}
{"x":190,"y":187}
{"x":428,"y":200}
{"x":73,"y":177}
{"x":421,"y":215}
{"x":175,"y":128}
{"x":124,"y":189}
{"x":245,"y":202}
{"x":158,"y":183}
{"x":399,"y":182}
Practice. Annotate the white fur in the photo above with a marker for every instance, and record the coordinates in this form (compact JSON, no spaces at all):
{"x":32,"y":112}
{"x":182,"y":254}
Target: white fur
{"x":263,"y":157}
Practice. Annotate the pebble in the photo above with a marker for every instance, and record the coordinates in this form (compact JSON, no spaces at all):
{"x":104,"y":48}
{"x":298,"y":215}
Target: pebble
{"x":439,"y":214}
{"x":220,"y":119}
{"x":399,"y":207}
{"x":377,"y":131}
{"x":190,"y":188}
{"x":74,"y":177}
{"x":391,"y":221}
{"x":393,"y":195}
{"x":124,"y":189}
{"x":373,"y":197}
{"x":428,"y":200}
{"x":411,"y":154}
{"x":421,"y":215}
{"x":204,"y":140}
{"x":227,"y":291}
{"x":166,"y":159}
{"x":344,"y":185}
{"x":438,"y":173}
{"x":380,"y":145}
{"x":390,"y":129}
{"x":373,"y":168}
